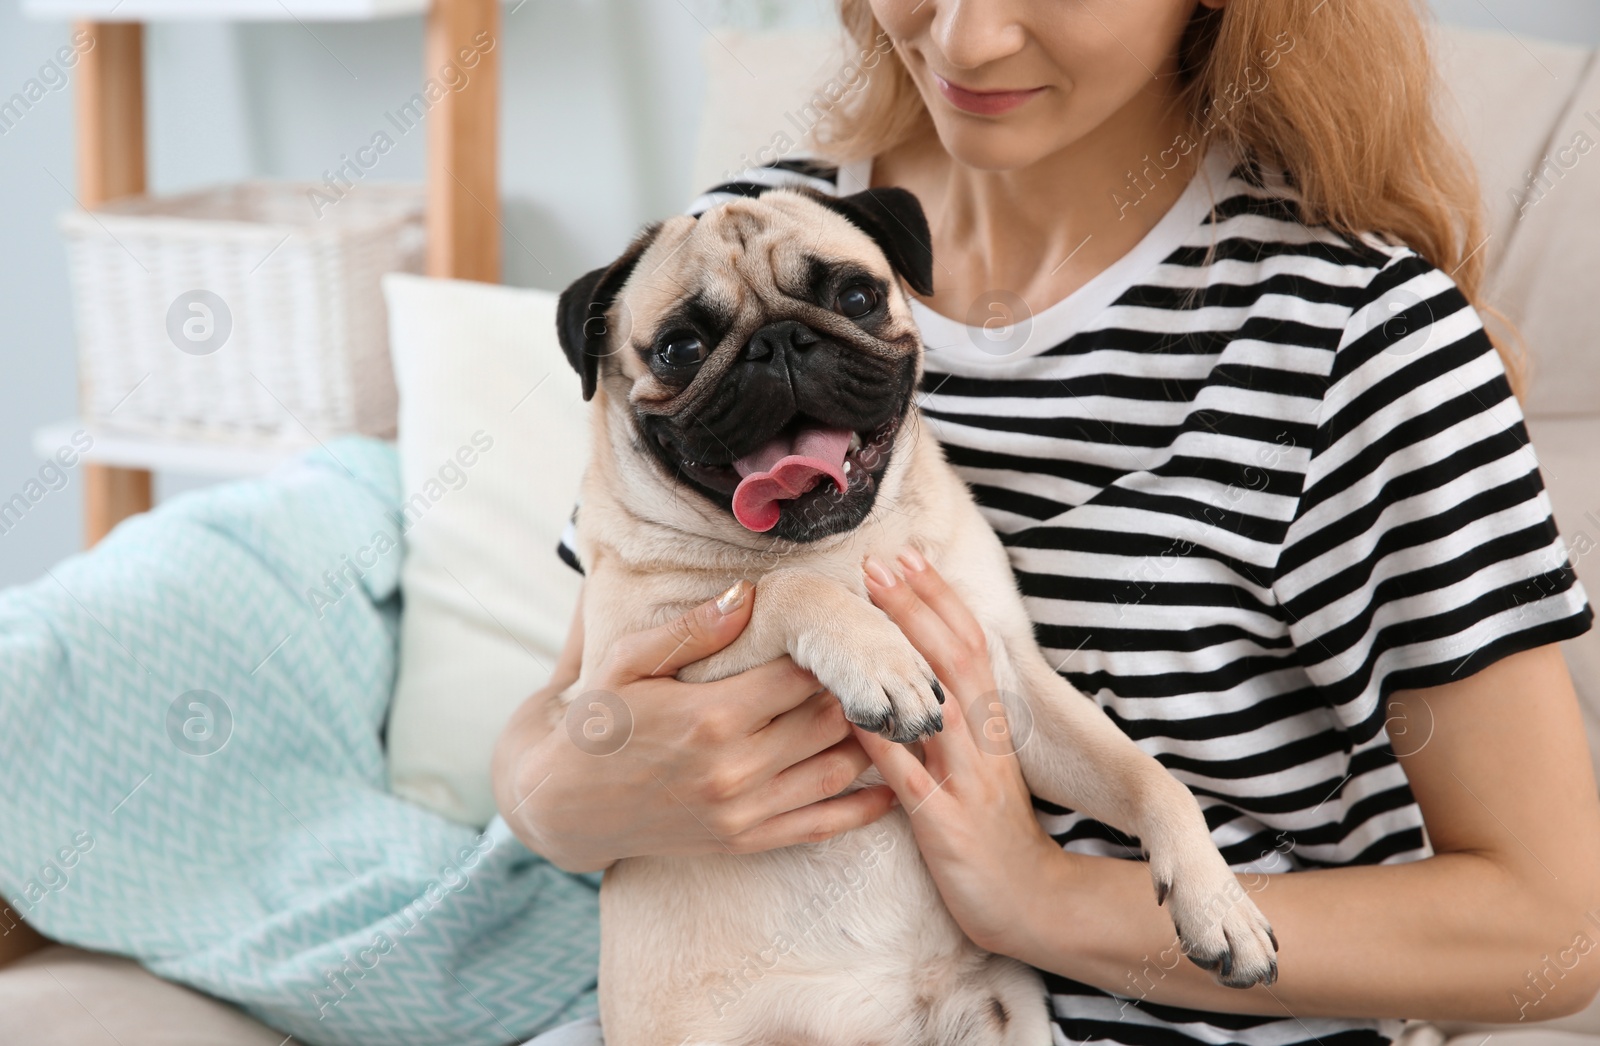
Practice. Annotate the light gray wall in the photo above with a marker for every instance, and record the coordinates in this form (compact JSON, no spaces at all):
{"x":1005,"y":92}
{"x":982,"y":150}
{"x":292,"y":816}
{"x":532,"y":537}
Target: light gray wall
{"x":36,"y":368}
{"x":598,"y":117}
{"x":600,"y":106}
{"x":1566,"y":21}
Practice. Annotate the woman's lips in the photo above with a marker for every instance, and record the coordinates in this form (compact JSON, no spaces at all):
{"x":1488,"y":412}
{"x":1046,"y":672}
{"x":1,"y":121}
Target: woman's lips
{"x":984,"y":103}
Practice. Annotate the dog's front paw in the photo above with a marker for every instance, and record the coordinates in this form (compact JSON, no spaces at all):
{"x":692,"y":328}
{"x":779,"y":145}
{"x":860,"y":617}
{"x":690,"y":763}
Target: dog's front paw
{"x":884,"y":685}
{"x":1219,"y":926}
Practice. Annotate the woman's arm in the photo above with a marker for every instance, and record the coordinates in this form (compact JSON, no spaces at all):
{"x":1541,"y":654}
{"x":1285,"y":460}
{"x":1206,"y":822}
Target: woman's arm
{"x":1497,"y":926}
{"x":1503,"y":924}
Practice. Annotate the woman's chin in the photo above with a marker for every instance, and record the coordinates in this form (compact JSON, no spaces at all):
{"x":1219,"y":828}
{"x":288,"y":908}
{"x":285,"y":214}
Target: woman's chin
{"x":998,"y":145}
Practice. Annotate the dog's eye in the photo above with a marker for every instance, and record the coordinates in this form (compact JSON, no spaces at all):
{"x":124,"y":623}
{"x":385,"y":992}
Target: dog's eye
{"x":681,"y":350}
{"x":856,"y":300}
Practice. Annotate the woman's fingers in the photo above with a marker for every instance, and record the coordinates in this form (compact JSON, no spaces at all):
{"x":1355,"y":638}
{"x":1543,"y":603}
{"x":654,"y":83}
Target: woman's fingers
{"x":985,"y":715}
{"x":764,"y":694}
{"x":816,"y":822}
{"x":928,"y":632}
{"x":822,"y":776}
{"x":911,"y":780}
{"x":814,"y":725}
{"x":988,"y":724}
{"x":685,"y":639}
{"x":936,"y":592}
{"x":956,"y":661}
{"x":961,"y":720}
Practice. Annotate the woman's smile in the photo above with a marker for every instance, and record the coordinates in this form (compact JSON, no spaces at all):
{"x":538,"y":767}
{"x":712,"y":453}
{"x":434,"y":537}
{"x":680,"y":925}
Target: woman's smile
{"x":983,"y":103}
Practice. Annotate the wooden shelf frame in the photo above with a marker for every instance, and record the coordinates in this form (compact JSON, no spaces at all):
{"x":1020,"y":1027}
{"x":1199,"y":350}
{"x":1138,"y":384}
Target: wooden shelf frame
{"x":463,"y":185}
{"x":224,"y":10}
{"x":463,"y":222}
{"x":111,"y":164}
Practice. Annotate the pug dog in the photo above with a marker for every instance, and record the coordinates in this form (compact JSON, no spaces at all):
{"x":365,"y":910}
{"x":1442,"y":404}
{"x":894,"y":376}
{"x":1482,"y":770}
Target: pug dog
{"x":752,"y":373}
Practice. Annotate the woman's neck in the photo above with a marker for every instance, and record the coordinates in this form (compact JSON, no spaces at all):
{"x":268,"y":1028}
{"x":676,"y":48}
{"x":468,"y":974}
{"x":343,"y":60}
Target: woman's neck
{"x":1044,"y":230}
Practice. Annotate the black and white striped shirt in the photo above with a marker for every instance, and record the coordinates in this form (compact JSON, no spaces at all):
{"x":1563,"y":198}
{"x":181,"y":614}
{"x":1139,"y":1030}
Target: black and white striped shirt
{"x":1254,"y":478}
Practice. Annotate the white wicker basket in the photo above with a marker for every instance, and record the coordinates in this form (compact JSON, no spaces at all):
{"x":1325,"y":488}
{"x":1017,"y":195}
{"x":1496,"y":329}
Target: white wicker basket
{"x":237,"y":314}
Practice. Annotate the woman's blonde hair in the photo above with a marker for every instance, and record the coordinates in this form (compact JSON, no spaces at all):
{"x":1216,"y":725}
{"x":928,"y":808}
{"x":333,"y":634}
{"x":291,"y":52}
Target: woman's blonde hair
{"x":1350,"y":116}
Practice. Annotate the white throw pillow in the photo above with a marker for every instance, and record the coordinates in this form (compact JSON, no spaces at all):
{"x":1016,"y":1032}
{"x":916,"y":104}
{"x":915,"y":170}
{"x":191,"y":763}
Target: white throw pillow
{"x":493,"y":439}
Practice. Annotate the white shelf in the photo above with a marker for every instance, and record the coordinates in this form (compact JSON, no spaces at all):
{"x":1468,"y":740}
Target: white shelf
{"x":163,"y":454}
{"x":222,"y":10}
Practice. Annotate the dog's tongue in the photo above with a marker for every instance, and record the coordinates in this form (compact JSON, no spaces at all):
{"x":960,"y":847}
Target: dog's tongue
{"x":788,"y":466}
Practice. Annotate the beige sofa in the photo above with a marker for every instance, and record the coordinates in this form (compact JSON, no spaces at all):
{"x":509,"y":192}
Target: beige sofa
{"x":1519,"y":102}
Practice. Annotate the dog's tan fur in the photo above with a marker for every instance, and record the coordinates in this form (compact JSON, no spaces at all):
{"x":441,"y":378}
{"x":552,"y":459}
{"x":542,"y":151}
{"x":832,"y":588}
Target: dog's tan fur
{"x":708,"y":950}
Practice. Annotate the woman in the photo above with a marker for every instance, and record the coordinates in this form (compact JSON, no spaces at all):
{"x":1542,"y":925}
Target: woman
{"x":1267,"y":491}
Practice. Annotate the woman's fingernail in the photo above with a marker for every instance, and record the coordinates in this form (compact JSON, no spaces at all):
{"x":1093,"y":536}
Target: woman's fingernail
{"x":733,"y":599}
{"x":878,"y":572}
{"x":912,"y":560}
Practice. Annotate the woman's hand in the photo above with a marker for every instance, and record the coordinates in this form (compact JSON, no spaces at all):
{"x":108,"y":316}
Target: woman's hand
{"x":749,"y":763}
{"x":969,"y":806}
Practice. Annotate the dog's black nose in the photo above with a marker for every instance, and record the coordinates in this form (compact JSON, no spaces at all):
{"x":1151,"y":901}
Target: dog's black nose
{"x":774,"y":338}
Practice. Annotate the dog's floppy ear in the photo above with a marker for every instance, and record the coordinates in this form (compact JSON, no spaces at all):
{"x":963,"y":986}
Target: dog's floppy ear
{"x":894,"y":219}
{"x":581,"y":310}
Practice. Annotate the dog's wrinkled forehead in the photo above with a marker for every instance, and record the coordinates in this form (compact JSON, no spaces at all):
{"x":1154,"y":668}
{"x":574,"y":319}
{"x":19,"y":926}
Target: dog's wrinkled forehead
{"x":743,"y":259}
{"x":788,"y":254}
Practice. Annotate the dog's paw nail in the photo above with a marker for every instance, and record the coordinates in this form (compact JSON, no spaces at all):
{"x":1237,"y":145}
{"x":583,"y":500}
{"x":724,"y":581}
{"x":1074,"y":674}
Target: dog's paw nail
{"x":1274,"y":939}
{"x":874,"y":724}
{"x":909,"y":730}
{"x":1163,"y":888}
{"x":1272,"y":973}
{"x":938,"y":691}
{"x":1208,"y":963}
